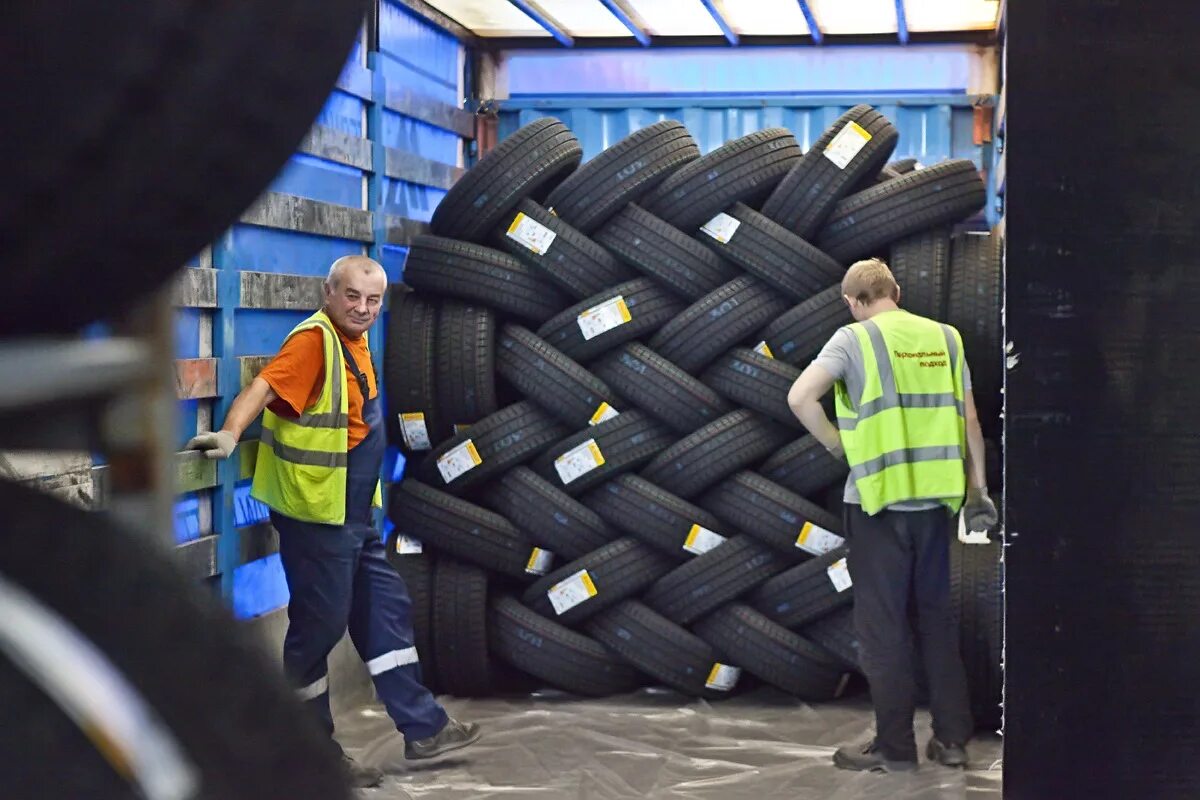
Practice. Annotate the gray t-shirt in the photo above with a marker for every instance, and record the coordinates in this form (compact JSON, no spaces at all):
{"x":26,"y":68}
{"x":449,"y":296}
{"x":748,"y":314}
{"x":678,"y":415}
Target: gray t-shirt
{"x":842,"y":358}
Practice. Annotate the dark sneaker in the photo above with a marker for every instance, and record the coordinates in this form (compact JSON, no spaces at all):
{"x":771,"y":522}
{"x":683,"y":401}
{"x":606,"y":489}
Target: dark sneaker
{"x":950,"y":755}
{"x":361,"y":777}
{"x":866,"y":757}
{"x":454,"y":736}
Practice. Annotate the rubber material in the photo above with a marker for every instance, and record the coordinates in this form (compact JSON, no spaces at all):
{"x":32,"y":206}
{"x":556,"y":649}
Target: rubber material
{"x":755,"y":381}
{"x":976,"y":592}
{"x":462,"y":529}
{"x":481,"y":275}
{"x":572,"y":262}
{"x":864,"y":223}
{"x":409,"y":371}
{"x":725,"y":317}
{"x":732,"y":568}
{"x":416,"y":570}
{"x":466,"y":364}
{"x":744,"y":169}
{"x":622,"y":173}
{"x":460,"y":628}
{"x":625,"y":442}
{"x":549,"y":516}
{"x":654,"y":515}
{"x":797,"y":335}
{"x":643,"y":378}
{"x":536,"y":156}
{"x":921,"y":265}
{"x":737,"y":440}
{"x":804,"y":593}
{"x":550,"y":378}
{"x":805,"y":467}
{"x":649,"y":306}
{"x":556,"y":654}
{"x":768,"y":512}
{"x":974,"y":308}
{"x":665,"y":253}
{"x":618,"y":570}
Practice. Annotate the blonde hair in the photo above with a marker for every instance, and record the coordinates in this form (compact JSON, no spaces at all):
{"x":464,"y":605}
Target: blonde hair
{"x":870,"y":280}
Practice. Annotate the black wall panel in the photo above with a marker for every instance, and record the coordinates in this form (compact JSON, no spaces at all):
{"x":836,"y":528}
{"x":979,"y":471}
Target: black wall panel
{"x":1103,"y":419}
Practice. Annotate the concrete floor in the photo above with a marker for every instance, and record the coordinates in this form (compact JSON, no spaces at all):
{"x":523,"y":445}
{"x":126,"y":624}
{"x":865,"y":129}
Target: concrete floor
{"x":657,"y":744}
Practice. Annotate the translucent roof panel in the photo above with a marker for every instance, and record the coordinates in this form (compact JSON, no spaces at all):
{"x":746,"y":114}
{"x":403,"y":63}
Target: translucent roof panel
{"x":676,"y":17}
{"x":584,"y":17}
{"x":489,"y":17}
{"x":951,"y":15}
{"x":764,"y":17}
{"x":846,"y":17}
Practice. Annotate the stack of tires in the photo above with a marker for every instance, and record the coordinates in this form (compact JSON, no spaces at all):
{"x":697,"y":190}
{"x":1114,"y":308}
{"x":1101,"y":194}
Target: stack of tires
{"x":587,"y":370}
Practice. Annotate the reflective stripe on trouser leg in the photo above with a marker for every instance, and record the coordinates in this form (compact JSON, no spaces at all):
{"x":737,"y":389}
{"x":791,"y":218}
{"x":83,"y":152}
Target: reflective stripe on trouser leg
{"x":314,"y":689}
{"x":381,"y":626}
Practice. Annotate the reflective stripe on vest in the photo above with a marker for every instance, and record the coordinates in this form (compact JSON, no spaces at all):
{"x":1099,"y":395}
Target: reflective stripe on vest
{"x":897,"y":428}
{"x":301,"y":467}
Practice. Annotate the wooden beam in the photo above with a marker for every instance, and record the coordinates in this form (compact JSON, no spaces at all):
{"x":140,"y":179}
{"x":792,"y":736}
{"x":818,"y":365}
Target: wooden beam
{"x":249,"y":367}
{"x":356,"y":80}
{"x":195,"y":378}
{"x":193,"y":471}
{"x":413,"y":168}
{"x":426,"y":109}
{"x":199,"y":557}
{"x":337,"y":146}
{"x":196,"y":287}
{"x":279,"y":291}
{"x":257,"y":541}
{"x":402,"y":230}
{"x":291,"y":213}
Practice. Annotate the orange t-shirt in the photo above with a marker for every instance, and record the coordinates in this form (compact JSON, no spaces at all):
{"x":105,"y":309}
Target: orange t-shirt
{"x":297,"y":375}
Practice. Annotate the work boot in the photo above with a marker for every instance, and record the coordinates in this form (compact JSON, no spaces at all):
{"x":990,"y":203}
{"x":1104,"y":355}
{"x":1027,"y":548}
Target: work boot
{"x":453,"y":736}
{"x":360,"y":777}
{"x":950,"y":755}
{"x":867,"y":757}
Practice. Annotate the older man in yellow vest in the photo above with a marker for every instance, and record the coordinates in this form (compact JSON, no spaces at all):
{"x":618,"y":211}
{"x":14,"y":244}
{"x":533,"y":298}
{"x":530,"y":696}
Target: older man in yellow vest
{"x":909,"y":430}
{"x":318,"y":471}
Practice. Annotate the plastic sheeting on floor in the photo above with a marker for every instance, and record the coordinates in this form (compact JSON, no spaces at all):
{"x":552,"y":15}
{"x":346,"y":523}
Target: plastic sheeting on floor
{"x":657,"y":744}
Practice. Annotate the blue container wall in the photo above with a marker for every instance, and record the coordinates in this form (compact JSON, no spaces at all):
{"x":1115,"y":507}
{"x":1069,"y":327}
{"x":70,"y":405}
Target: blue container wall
{"x":412,"y":57}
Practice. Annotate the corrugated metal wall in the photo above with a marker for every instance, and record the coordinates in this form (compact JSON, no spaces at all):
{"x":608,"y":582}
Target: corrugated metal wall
{"x":384,"y":149}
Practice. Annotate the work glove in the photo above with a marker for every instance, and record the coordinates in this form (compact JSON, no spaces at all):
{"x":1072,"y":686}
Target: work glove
{"x":979,"y":512}
{"x":218,"y":444}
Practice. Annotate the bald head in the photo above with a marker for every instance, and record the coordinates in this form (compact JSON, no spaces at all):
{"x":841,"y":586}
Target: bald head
{"x":346,"y":264}
{"x":354,"y":293}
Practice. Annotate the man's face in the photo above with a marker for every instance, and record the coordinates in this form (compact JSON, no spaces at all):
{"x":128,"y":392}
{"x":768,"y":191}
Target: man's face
{"x":354,"y":303}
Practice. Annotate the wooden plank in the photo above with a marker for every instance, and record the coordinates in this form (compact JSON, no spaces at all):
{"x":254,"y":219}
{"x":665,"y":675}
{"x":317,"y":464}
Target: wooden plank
{"x":435,"y":112}
{"x":402,"y":230}
{"x":413,"y":168}
{"x":337,"y":146}
{"x":196,"y":287}
{"x":278,"y":291}
{"x":195,"y":378}
{"x":194,"y":472}
{"x":199,"y":557}
{"x":257,"y":541}
{"x":356,"y":80}
{"x":249,"y":367}
{"x":291,"y":213}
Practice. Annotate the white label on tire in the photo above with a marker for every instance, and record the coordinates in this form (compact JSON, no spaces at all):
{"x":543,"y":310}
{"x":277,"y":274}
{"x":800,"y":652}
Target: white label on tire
{"x":722,"y":677}
{"x":762,"y":349}
{"x":414,"y":432}
{"x":818,"y":541}
{"x":700,"y":540}
{"x":839,"y":574}
{"x":849,"y":141}
{"x":457,"y":460}
{"x":539,"y":561}
{"x":532,"y":234}
{"x":722,"y":227}
{"x":578,"y":461}
{"x":408,"y":546}
{"x":603,"y":413}
{"x":571,"y":591}
{"x":971,"y":537}
{"x":603,"y":317}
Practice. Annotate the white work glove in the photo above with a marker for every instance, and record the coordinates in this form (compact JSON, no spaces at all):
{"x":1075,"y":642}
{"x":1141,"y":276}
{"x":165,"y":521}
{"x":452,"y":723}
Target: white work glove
{"x":218,"y":444}
{"x":979,"y":512}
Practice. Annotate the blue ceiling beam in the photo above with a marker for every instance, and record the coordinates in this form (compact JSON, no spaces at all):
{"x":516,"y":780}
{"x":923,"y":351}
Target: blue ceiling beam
{"x":901,"y":22}
{"x":541,"y":18}
{"x":813,"y":27}
{"x":721,"y":23}
{"x":618,"y":12}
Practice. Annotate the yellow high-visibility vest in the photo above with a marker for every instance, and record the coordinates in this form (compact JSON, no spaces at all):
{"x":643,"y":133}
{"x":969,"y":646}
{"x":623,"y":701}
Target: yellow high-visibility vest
{"x":905,"y":437}
{"x":300,"y":470}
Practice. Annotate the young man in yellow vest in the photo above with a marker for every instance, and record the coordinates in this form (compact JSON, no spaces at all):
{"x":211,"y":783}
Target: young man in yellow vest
{"x":318,"y":471}
{"x":909,"y":430}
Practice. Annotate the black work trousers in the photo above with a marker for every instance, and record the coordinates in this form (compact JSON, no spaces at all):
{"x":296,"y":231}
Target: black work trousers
{"x":898,"y":558}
